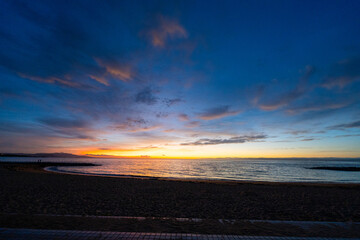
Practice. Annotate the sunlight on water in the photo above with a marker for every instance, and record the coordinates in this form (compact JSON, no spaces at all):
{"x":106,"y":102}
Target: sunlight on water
{"x":274,"y":170}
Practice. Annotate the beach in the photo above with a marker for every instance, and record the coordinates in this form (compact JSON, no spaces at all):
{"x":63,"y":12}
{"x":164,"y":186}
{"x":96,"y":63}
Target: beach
{"x":28,"y":189}
{"x":31,"y":197}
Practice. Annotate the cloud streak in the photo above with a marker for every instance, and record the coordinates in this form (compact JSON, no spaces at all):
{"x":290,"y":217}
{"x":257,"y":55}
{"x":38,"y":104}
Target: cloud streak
{"x":314,"y":107}
{"x":218,"y":112}
{"x":343,"y":73}
{"x":119,"y":71}
{"x":136,"y":125}
{"x":183,"y":117}
{"x":288,"y":97}
{"x":70,"y":128}
{"x":232,"y":140}
{"x":355,"y":124}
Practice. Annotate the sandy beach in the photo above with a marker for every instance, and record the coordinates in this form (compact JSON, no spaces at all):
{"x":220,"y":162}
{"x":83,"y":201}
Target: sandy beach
{"x":31,"y":197}
{"x":28,"y":189}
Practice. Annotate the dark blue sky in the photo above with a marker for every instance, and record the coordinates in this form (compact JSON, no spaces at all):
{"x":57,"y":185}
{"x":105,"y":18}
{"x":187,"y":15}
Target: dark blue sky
{"x":181,"y":78}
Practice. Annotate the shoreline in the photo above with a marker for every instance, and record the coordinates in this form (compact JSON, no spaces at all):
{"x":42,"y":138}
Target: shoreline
{"x":219,"y":181}
{"x":48,"y":167}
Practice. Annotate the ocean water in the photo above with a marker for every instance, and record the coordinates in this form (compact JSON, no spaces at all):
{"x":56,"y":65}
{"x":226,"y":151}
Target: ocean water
{"x":270,"y":170}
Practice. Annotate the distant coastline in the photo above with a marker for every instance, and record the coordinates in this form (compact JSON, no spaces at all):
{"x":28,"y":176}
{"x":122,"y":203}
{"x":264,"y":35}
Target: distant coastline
{"x":44,"y":155}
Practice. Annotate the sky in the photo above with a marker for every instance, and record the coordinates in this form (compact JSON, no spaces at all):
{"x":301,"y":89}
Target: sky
{"x":181,"y":79}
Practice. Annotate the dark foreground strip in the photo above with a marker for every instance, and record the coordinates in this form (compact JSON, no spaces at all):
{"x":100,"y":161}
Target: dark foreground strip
{"x":34,"y":234}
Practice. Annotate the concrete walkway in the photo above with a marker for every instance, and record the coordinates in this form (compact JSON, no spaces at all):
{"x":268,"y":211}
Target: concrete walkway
{"x":38,"y":234}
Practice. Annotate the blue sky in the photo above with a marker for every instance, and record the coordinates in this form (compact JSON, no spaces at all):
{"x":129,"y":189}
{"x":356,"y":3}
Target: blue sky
{"x":181,"y":78}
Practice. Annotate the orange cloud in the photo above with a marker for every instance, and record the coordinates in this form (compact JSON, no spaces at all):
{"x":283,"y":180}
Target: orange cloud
{"x":102,"y":80}
{"x":166,"y":29}
{"x":118,"y":71}
{"x":64,"y":81}
{"x":123,"y":73}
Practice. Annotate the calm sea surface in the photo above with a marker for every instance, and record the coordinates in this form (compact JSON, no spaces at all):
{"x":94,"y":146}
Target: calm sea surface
{"x":273,"y":170}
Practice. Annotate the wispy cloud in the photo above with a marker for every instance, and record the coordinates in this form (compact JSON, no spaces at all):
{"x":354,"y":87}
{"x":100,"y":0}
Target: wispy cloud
{"x":355,"y":124}
{"x":218,"y":112}
{"x":136,"y":125}
{"x":69,"y":128}
{"x":100,"y":79}
{"x":192,"y":124}
{"x":343,"y":73}
{"x":172,"y":101}
{"x":183,"y":117}
{"x":64,"y":122}
{"x":116,"y":70}
{"x":288,"y":97}
{"x":237,"y":139}
{"x":307,"y":139}
{"x":146,"y":96}
{"x":65,"y":80}
{"x":316,"y":107}
{"x":297,"y":132}
{"x":167,"y":29}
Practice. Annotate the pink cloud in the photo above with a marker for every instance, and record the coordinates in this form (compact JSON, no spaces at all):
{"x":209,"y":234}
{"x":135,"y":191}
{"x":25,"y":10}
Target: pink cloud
{"x":166,"y":29}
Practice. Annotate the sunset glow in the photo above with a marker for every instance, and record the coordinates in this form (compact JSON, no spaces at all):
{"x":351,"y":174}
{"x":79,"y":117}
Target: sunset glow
{"x":167,"y":79}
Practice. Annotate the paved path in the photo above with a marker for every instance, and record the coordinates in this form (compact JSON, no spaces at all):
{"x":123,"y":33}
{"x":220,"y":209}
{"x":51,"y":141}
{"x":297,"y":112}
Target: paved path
{"x":38,"y":234}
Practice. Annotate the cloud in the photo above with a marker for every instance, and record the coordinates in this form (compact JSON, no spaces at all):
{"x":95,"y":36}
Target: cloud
{"x":355,"y":124}
{"x":238,"y":139}
{"x":312,"y":107}
{"x":297,"y":132}
{"x":193,"y":124}
{"x":259,"y":91}
{"x":347,"y":135}
{"x":288,"y":97}
{"x":136,"y":125}
{"x":343,"y":73}
{"x":307,"y":139}
{"x":119,"y":71}
{"x":146,"y":96}
{"x":112,"y":149}
{"x":162,"y":115}
{"x":64,"y":123}
{"x":69,"y":128}
{"x":167,"y":29}
{"x":44,"y":45}
{"x":218,"y":112}
{"x":173,"y":101}
{"x":65,"y":81}
{"x":100,"y":79}
{"x":183,"y":117}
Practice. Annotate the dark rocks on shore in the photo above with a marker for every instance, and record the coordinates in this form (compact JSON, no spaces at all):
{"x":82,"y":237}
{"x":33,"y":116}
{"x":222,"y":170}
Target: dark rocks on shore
{"x":349,"y":169}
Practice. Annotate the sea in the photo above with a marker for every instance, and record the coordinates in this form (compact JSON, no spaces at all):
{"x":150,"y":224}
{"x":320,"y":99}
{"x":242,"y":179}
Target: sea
{"x":268,"y":170}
